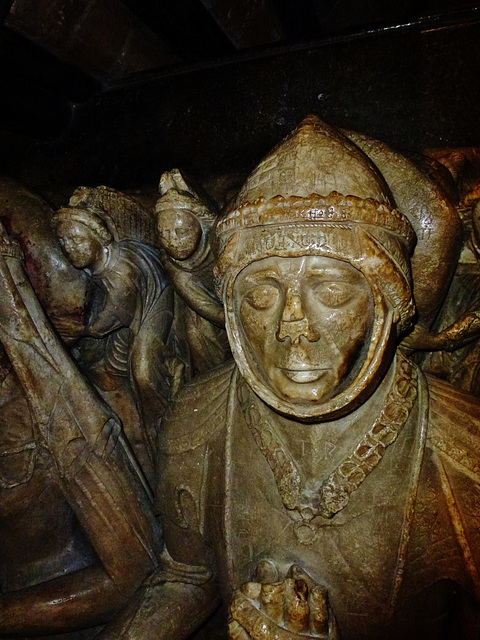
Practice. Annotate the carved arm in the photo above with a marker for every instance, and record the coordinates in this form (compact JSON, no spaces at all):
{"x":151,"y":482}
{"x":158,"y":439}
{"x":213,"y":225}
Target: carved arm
{"x":94,"y":469}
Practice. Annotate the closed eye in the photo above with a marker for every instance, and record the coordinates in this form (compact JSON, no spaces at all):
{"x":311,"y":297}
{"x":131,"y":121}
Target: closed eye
{"x":333,"y":294}
{"x":263,"y":296}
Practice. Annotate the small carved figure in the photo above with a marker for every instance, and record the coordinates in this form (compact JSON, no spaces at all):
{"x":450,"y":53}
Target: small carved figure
{"x":77,"y":531}
{"x":131,"y":304}
{"x":185,"y":220}
{"x":453,"y":339}
{"x":328,"y":487}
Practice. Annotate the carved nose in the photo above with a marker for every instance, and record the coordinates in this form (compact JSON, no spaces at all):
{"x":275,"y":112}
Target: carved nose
{"x":293,"y":310}
{"x":293,"y":330}
{"x":294,"y":323}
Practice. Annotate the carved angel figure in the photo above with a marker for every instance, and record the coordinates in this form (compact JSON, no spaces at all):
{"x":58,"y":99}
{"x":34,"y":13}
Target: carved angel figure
{"x":106,"y":234}
{"x":321,"y":484}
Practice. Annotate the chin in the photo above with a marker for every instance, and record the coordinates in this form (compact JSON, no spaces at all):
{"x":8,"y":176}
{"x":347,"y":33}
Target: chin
{"x":75,"y":262}
{"x":183,"y":254}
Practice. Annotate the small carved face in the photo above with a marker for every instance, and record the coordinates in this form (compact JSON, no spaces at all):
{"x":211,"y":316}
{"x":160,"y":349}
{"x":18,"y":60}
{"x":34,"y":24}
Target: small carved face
{"x":306,"y":322}
{"x":79,"y":243}
{"x":179,"y":232}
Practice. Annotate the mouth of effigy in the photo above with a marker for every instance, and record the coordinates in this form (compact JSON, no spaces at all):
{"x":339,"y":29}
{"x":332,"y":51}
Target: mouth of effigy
{"x":304,"y":375}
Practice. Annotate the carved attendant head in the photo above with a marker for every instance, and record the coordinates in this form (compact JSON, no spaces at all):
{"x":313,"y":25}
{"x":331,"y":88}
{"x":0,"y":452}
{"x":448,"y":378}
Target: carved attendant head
{"x":179,"y":232}
{"x":95,"y":218}
{"x":82,"y":236}
{"x":185,"y":215}
{"x":314,"y":272}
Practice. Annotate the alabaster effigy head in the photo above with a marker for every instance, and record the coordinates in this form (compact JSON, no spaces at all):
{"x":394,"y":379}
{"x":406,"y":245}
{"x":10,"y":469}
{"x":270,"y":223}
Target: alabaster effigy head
{"x":316,"y":287}
{"x":322,"y":311}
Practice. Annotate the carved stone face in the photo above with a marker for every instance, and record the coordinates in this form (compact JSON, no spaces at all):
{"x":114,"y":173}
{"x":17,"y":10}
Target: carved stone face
{"x":79,"y":243}
{"x":306,"y":323}
{"x":179,"y":232}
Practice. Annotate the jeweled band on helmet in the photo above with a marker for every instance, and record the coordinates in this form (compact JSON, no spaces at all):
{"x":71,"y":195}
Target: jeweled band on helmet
{"x":318,"y":194}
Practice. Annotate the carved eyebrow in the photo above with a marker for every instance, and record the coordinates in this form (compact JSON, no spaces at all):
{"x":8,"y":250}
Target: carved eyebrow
{"x":262,"y":275}
{"x":334,"y":272}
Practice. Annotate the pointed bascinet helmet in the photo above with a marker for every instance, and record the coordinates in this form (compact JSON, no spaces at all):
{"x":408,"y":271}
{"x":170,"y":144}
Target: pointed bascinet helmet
{"x":318,"y":194}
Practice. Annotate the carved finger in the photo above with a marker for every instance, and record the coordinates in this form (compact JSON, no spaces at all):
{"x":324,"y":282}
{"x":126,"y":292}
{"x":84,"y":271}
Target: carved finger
{"x":295,"y":605}
{"x":236,"y":631}
{"x":271,"y":600}
{"x":318,"y":604}
{"x":257,"y":625}
{"x":251,"y":590}
{"x":298,"y":573}
{"x":266,"y":571}
{"x":248,"y":616}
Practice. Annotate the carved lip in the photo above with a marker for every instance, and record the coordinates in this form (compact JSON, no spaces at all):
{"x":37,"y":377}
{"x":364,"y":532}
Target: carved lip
{"x":304,"y":375}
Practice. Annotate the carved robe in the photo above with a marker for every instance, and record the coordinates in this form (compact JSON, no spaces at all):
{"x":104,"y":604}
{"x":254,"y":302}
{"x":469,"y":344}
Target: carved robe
{"x":394,"y":559}
{"x":133,"y":304}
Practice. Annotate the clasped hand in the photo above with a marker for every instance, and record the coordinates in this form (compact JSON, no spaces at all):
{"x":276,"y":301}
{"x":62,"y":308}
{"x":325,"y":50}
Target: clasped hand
{"x":293,"y":609}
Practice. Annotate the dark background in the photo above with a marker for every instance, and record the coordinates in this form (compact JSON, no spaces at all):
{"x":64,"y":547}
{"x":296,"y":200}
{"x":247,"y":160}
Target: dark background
{"x":109,"y":92}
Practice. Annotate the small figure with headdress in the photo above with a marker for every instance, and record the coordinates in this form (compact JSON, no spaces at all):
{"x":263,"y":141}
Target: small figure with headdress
{"x":107,"y":234}
{"x":185,"y":216}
